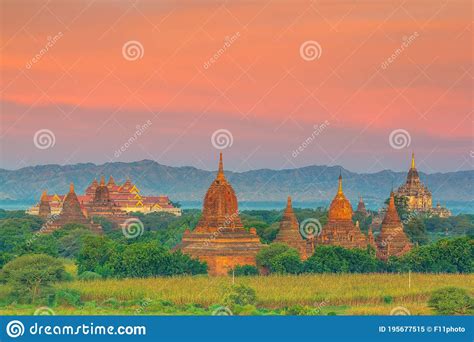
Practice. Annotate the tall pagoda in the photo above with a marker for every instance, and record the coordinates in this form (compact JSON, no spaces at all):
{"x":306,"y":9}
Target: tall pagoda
{"x":289,"y":232}
{"x":44,"y":210}
{"x":219,"y":237}
{"x":392,"y":240}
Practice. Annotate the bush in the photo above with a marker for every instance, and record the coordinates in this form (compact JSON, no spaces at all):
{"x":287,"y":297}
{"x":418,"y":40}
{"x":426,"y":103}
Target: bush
{"x":68,"y":297}
{"x":240,"y":295}
{"x":244,"y":270}
{"x":451,"y":301}
{"x":279,"y":258}
{"x":31,"y":276}
{"x":88,"y":275}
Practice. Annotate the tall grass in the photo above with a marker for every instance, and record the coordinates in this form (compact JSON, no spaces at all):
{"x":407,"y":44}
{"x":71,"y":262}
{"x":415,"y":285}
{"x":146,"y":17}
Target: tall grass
{"x":278,"y":291}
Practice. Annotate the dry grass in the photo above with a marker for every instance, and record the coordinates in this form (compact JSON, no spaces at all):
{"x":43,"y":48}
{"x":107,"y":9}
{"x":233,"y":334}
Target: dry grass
{"x":354,"y":290}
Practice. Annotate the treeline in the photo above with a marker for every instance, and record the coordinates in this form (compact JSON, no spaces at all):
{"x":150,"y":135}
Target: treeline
{"x":108,"y":258}
{"x":454,"y":255}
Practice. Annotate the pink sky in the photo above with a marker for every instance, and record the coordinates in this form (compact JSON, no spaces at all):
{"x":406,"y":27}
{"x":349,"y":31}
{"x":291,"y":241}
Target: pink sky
{"x":260,"y":88}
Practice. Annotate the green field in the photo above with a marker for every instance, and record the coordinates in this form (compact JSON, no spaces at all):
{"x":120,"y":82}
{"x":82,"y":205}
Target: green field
{"x":342,"y":294}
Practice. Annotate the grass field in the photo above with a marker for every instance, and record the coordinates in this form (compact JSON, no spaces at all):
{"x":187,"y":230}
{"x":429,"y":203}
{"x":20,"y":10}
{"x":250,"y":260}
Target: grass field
{"x":346,"y":294}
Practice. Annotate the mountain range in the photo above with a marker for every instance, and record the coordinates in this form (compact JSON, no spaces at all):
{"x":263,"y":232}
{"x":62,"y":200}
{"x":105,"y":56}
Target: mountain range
{"x":315,"y":184}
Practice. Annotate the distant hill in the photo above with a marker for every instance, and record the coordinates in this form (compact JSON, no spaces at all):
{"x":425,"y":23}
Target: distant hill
{"x":316,"y":184}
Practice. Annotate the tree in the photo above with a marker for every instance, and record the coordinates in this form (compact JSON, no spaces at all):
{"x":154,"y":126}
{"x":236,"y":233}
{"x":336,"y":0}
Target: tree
{"x":279,"y":258}
{"x":451,"y":301}
{"x":244,"y":270}
{"x":31,"y":276}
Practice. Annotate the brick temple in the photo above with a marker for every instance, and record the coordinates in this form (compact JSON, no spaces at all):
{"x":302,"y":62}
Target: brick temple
{"x":340,"y":230}
{"x":289,"y":232}
{"x":71,"y":212}
{"x":219,"y":237}
{"x":392,"y":240}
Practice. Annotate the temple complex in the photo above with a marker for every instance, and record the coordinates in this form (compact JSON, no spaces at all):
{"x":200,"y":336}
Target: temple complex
{"x":102,"y":205}
{"x":219,"y":237}
{"x":71,"y":212}
{"x":418,"y":196}
{"x":340,"y":230}
{"x":289,"y":232}
{"x":392,"y":240}
{"x":125,"y":197}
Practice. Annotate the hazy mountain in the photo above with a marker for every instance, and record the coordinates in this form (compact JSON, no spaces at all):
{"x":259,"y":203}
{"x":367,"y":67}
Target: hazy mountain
{"x":316,"y":184}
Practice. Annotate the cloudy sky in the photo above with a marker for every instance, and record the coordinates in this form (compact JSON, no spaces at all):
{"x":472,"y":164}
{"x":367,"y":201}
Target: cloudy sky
{"x":272,"y":84}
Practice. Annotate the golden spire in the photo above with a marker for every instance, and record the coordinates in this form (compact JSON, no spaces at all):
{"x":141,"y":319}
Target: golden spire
{"x":71,"y":187}
{"x":102,"y":181}
{"x":413,"y":160}
{"x":220,"y":172}
{"x":339,"y":189}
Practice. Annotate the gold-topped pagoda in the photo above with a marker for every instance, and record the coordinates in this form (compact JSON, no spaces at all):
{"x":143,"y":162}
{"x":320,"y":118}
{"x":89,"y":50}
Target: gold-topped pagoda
{"x":219,"y":237}
{"x":340,"y":230}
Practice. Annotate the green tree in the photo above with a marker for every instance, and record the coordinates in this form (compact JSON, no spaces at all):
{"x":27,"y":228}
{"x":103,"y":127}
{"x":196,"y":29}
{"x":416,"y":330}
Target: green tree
{"x":279,"y":258}
{"x":30,"y":276}
{"x":451,"y":301}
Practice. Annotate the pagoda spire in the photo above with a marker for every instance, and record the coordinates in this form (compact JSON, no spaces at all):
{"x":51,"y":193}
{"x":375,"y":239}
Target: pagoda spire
{"x":102,"y":181}
{"x":44,"y":195}
{"x":220,"y":172}
{"x":71,"y":188}
{"x":339,"y":189}
{"x":392,"y":215}
{"x":413,"y":160}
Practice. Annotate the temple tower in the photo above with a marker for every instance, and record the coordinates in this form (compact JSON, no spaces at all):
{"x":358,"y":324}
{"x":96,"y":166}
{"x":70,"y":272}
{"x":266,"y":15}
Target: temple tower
{"x":44,"y":206}
{"x":289,"y":232}
{"x":219,"y":237}
{"x":392,"y":240}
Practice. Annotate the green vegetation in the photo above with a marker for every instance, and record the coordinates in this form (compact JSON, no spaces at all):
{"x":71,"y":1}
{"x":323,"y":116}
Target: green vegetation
{"x":452,"y":301}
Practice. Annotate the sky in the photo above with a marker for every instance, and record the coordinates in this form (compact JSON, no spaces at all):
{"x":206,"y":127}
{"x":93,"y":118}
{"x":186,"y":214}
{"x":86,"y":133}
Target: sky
{"x":271,"y":84}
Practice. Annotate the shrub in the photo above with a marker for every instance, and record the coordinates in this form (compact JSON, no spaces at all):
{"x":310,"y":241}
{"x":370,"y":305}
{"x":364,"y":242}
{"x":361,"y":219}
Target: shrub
{"x":240,"y":295}
{"x":279,"y":258}
{"x":244,"y":270}
{"x":451,"y":301}
{"x":68,"y":297}
{"x":88,"y":275}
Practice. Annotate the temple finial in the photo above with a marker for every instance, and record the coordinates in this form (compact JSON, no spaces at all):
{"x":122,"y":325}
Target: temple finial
{"x":102,"y":181}
{"x":339,"y":189}
{"x":220,"y":172}
{"x":288,"y":202}
{"x":413,"y":160}
{"x":44,"y":195}
{"x":71,"y":187}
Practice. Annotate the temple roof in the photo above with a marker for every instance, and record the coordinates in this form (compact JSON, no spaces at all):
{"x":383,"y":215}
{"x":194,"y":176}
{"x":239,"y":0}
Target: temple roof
{"x":340,"y":208}
{"x":391,"y":216}
{"x":220,"y":207}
